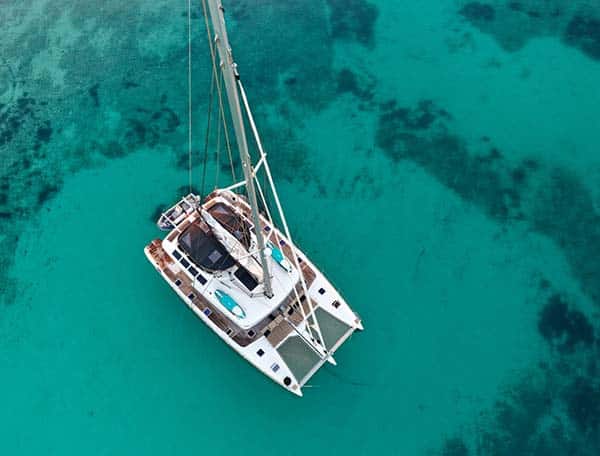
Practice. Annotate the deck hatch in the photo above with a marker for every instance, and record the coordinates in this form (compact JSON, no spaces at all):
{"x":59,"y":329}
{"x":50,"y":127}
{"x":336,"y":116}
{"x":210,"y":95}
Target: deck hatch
{"x":246,"y":278}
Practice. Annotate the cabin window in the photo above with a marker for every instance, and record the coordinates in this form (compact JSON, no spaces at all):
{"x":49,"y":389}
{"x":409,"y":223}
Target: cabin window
{"x":185,"y":263}
{"x":200,"y":278}
{"x":176,"y":254}
{"x":193,"y":270}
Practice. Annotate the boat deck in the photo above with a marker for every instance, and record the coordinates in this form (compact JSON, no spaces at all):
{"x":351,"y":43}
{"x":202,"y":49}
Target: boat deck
{"x":283,"y":327}
{"x":276,"y":327}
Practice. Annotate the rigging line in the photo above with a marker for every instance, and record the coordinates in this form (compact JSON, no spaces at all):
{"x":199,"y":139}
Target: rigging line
{"x":218,"y":155}
{"x":312,"y":311}
{"x":207,"y":136}
{"x":190,"y":94}
{"x":227,"y":142}
{"x":225,"y":133}
{"x":218,"y":76}
{"x":296,"y":293}
{"x":264,"y":201}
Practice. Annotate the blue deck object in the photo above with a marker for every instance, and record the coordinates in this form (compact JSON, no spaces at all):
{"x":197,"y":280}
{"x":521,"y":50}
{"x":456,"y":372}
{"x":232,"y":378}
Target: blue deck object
{"x":229,"y":303}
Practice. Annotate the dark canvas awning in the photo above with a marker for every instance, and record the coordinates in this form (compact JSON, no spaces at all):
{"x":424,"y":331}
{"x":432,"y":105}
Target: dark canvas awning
{"x":204,"y":249}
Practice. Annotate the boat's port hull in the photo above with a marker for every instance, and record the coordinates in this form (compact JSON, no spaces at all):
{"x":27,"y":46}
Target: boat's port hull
{"x":280,"y":346}
{"x":249,"y":352}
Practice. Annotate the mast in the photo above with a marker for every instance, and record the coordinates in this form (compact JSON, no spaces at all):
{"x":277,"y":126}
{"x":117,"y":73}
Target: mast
{"x":230,"y":75}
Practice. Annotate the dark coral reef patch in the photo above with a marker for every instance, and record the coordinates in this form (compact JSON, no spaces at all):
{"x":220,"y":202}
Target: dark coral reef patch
{"x":44,"y":132}
{"x":361,"y":86}
{"x":515,"y":22}
{"x":421,"y":134}
{"x":455,"y":447}
{"x":307,"y":76}
{"x":584,"y":33}
{"x":553,"y":201}
{"x":564,"y":327}
{"x":529,"y":418}
{"x":93,"y":91}
{"x":477,"y":11}
{"x":583,"y":404}
{"x":563,"y":209}
{"x":353,"y":20}
{"x":14,"y":117}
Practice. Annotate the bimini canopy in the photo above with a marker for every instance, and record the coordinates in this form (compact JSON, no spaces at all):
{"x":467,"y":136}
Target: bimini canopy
{"x":204,"y":249}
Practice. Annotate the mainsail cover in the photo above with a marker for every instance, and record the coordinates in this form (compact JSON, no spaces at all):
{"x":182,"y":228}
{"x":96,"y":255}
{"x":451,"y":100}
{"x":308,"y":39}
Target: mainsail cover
{"x":235,"y":248}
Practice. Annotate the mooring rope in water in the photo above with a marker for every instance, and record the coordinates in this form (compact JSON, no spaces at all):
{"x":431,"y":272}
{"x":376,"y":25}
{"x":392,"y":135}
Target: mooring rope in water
{"x":190,"y":94}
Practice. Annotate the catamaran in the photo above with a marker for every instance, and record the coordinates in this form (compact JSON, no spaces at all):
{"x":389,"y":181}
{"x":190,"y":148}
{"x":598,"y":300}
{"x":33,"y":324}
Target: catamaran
{"x":233,"y":261}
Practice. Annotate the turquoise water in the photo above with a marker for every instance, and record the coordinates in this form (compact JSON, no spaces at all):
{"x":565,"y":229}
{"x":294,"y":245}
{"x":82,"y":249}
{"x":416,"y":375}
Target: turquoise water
{"x":438,"y":160}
